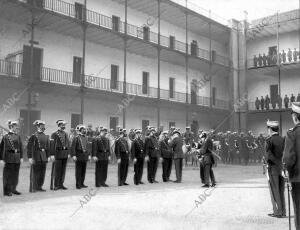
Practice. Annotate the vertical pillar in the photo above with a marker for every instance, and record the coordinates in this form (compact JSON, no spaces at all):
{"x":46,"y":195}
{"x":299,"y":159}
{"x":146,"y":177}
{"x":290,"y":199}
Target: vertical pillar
{"x":186,"y":67}
{"x":158,"y":68}
{"x":125,"y":63}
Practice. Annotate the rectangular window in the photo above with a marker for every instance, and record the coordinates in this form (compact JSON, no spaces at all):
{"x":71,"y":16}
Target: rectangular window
{"x":145,"y":82}
{"x":214,"y":94}
{"x":114,"y":77}
{"x":75,"y":120}
{"x":171,"y":87}
{"x":77,"y":61}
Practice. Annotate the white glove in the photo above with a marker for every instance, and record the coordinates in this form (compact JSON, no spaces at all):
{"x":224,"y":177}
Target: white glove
{"x":30,"y":161}
{"x":74,"y":158}
{"x":49,"y":159}
{"x":109,"y":158}
{"x":90,"y":158}
{"x":95,"y":158}
{"x":69,"y":155}
{"x":2,"y":162}
{"x":119,"y":161}
{"x":161,"y":160}
{"x":146,"y":158}
{"x":21,"y":160}
{"x":134,"y":160}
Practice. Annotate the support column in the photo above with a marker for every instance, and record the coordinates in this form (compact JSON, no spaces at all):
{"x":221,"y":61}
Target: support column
{"x":125,"y":64}
{"x":158,"y":68}
{"x":186,"y":67}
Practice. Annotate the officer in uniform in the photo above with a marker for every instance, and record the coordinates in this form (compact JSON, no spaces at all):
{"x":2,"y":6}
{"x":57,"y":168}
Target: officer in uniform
{"x":60,"y":154}
{"x":286,"y":101}
{"x":122,"y":154}
{"x":102,"y":156}
{"x":291,"y":160}
{"x":167,"y":155}
{"x":152,"y":155}
{"x":38,"y":152}
{"x":273,"y":157}
{"x":138,"y":156}
{"x":80,"y":154}
{"x":11,"y":154}
{"x":176,"y":144}
{"x":188,"y":140}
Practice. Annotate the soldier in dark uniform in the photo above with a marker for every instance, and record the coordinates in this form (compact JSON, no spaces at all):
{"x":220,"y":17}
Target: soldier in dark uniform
{"x":257,"y":103}
{"x":138,"y":155}
{"x":61,"y":153}
{"x":290,"y":55}
{"x":262,"y":103}
{"x":298,"y":97}
{"x":167,"y":155}
{"x":176,"y":144}
{"x":279,"y":101}
{"x":207,"y":159}
{"x":283,"y":56}
{"x":101,"y":155}
{"x":38,"y":152}
{"x":267,"y":102}
{"x":260,"y":60}
{"x":122,"y":154}
{"x":255,"y":60}
{"x":291,"y":160}
{"x":188,"y":140}
{"x":292,"y":98}
{"x":264,"y":59}
{"x":286,"y":102}
{"x":273,"y":157}
{"x":295,"y":55}
{"x":11,"y":154}
{"x":261,"y":147}
{"x":80,"y":154}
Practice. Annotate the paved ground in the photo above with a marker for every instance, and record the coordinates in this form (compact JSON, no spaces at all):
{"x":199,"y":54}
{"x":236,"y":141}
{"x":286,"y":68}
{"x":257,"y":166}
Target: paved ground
{"x":240,"y":201}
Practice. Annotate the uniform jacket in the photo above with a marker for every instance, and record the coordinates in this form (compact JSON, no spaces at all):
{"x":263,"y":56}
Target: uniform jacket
{"x":274,"y":153}
{"x":206,"y":152}
{"x":291,"y":153}
{"x":61,"y":144}
{"x":188,"y":137}
{"x":138,"y":149}
{"x":176,"y":145}
{"x":38,"y":147}
{"x":80,"y":148}
{"x":165,"y":149}
{"x":101,"y":148}
{"x":11,"y":150}
{"x":122,"y":149}
{"x":151,"y":147}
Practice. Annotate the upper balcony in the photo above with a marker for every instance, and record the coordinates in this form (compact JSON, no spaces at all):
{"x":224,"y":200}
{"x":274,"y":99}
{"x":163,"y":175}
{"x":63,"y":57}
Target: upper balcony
{"x":14,"y":70}
{"x":63,"y":18}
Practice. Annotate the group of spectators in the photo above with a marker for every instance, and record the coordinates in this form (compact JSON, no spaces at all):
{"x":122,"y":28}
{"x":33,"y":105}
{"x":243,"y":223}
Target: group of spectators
{"x":271,"y":59}
{"x":264,"y":102}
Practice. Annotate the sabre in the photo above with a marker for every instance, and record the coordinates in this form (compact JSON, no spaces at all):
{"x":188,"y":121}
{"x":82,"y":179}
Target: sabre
{"x":286,"y":178}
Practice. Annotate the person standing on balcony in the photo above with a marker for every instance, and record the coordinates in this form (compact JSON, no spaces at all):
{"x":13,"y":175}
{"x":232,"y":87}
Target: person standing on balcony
{"x":295,"y":55}
{"x":267,"y":102}
{"x":293,"y":98}
{"x":138,"y":156}
{"x":273,"y":157}
{"x":283,"y":56}
{"x":122,"y":154}
{"x":279,"y":101}
{"x":273,"y":102}
{"x":264,"y":59}
{"x":152,"y":155}
{"x":291,"y":162}
{"x":290,"y":55}
{"x":286,"y":102}
{"x":262,"y":103}
{"x":257,"y":103}
{"x":298,"y":97}
{"x":38,"y":152}
{"x":11,"y":154}
{"x":260,"y":60}
{"x":61,"y":153}
{"x":255,"y":60}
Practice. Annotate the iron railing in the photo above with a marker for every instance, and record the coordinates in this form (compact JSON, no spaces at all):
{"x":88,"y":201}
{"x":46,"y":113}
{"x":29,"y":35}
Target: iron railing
{"x":11,"y":69}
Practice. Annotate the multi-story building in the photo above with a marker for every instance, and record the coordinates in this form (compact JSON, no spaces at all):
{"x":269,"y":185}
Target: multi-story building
{"x":274,"y":73}
{"x":130,"y":63}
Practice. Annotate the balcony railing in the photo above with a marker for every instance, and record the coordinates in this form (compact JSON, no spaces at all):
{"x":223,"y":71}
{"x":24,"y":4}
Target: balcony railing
{"x":13,"y":69}
{"x":95,"y":18}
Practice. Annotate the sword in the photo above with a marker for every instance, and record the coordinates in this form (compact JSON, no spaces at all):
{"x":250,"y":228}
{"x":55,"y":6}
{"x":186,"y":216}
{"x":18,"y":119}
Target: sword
{"x":286,"y":178}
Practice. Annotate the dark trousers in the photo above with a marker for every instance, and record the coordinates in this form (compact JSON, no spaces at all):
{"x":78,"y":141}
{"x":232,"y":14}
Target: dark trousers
{"x":122,"y":171}
{"x":138,"y":171}
{"x":277,"y":194}
{"x":37,"y":176}
{"x":10,"y":177}
{"x":80,"y":170}
{"x":208,"y":173}
{"x":296,"y":203}
{"x":60,"y":172}
{"x":178,"y":169}
{"x":152,"y":168}
{"x":101,"y":172}
{"x":167,"y":168}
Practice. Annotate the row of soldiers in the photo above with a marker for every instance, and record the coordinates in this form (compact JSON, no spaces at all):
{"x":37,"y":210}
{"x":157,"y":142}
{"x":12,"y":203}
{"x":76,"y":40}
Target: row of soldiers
{"x":264,"y":102}
{"x":271,"y":59}
{"x":157,"y":146}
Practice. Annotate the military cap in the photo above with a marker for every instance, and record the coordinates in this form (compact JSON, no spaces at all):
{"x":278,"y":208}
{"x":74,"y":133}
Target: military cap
{"x":296,"y":107}
{"x":176,"y":131}
{"x":138,"y":131}
{"x":122,"y":131}
{"x":272,"y":124}
{"x":103,"y":129}
{"x":39,"y":122}
{"x":188,"y":127}
{"x":165,"y":133}
{"x":10,"y":123}
{"x":80,"y":127}
{"x":59,"y":122}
